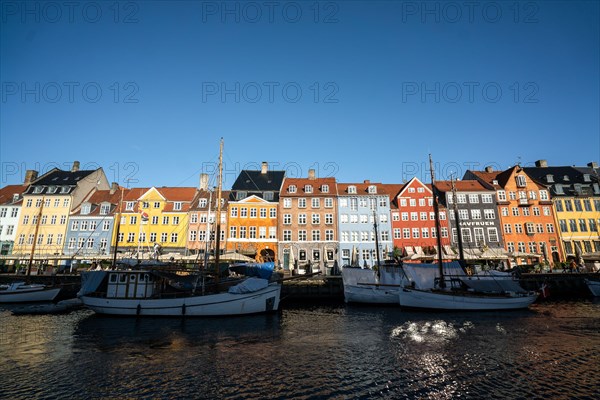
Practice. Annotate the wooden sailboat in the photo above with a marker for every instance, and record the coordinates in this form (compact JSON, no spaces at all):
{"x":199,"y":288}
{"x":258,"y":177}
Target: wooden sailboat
{"x":24,"y":292}
{"x":440,"y":293}
{"x":164,"y":293}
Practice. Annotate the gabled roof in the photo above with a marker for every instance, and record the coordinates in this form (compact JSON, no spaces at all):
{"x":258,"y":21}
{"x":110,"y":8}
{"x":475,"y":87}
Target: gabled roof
{"x":317,"y":185}
{"x":461,"y":186}
{"x":410,"y":183}
{"x":566,"y":178}
{"x":255,"y":181}
{"x":98,"y":198}
{"x":7,"y":193}
{"x":205,"y":194}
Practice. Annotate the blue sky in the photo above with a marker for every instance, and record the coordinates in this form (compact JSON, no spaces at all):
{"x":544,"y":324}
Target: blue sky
{"x":357,"y":90}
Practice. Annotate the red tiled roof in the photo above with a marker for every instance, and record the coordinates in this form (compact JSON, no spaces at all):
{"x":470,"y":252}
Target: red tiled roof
{"x":205,"y":194}
{"x":316,"y":183}
{"x":362,"y":188}
{"x":461,"y":186}
{"x":7,"y":192}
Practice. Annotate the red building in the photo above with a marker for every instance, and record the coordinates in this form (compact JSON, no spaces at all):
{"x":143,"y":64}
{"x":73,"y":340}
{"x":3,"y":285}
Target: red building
{"x":413,"y":221}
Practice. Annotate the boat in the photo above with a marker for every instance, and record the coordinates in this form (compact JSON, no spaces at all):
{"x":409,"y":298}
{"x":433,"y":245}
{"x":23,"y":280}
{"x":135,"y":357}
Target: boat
{"x":20,"y":292}
{"x":61,"y":307}
{"x":594,"y":286}
{"x":154,"y":291}
{"x":434,"y":288}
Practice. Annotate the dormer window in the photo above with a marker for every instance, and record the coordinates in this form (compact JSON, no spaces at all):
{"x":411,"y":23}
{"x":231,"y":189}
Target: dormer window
{"x":577,"y":188}
{"x":268,"y":196}
{"x":129,"y":206}
{"x":292,"y":189}
{"x":85,"y":209}
{"x":559,"y":189}
{"x":145,"y":204}
{"x":241,"y":195}
{"x":64,"y":189}
{"x":352,"y":189}
{"x":104,"y":209}
{"x":521,"y":181}
{"x":372,"y":189}
{"x":566,"y":178}
{"x":550,"y":178}
{"x":52,"y":189}
{"x":308,"y":189}
{"x":494,"y":182}
{"x":587,"y":178}
{"x":177,"y":206}
{"x":411,"y":190}
{"x":15,"y":198}
{"x":37,"y":189}
{"x":325,"y":188}
{"x":202,"y":203}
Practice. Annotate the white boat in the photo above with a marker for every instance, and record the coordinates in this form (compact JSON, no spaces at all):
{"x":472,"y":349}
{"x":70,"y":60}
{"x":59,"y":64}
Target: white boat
{"x":594,"y":286}
{"x":19,"y":292}
{"x":362,"y":285}
{"x":145,"y":293}
{"x":447,"y":287}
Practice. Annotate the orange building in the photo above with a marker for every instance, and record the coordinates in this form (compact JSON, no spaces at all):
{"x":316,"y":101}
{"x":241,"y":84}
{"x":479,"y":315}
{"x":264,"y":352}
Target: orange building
{"x":526,"y":215}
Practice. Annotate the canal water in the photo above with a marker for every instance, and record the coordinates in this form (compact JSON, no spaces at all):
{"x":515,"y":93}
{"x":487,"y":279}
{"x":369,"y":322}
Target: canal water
{"x":550,"y":351}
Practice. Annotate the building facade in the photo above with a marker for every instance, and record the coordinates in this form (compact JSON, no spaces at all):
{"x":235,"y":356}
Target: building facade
{"x":47,"y":205}
{"x":360,"y":205}
{"x":308,"y":223}
{"x":11,"y":201}
{"x":253,"y":209}
{"x":91,"y":224}
{"x":479,"y":220}
{"x":413,"y":221}
{"x":575,"y":193}
{"x":526,"y":214}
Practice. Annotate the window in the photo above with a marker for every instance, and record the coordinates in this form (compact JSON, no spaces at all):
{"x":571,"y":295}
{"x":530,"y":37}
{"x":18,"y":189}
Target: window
{"x":354,"y":219}
{"x":466,"y":234}
{"x":328,"y":219}
{"x":559,"y":205}
{"x":508,"y":228}
{"x":518,"y":228}
{"x":253,"y":212}
{"x":486,"y":198}
{"x":241,"y":195}
{"x":287,"y":203}
{"x":544,"y":195}
{"x":252,"y":232}
{"x":316,"y":203}
{"x":372,"y":189}
{"x":175,"y":220}
{"x":464,"y":214}
{"x":302,"y":235}
{"x":510,"y":247}
{"x":479,"y":235}
{"x":533,"y":195}
{"x":404,"y":216}
{"x":130,"y":237}
{"x":573,"y":225}
{"x":328,"y":202}
{"x":163,"y":237}
{"x":461,"y":198}
{"x":316,"y":235}
{"x":287,"y":219}
{"x":501,"y":194}
{"x":415,"y":233}
{"x":521,"y":246}
{"x":402,"y":202}
{"x":155,"y":220}
{"x":582,"y":225}
{"x":302,"y":255}
{"x":568,"y":205}
{"x":142,"y":237}
{"x":577,"y":205}
{"x":530,"y":228}
{"x":414,"y":216}
{"x":301,"y":219}
{"x":406,"y":233}
{"x":521,"y":181}
{"x":104,"y":209}
{"x":352,"y":189}
{"x":103,"y":244}
{"x":473,"y":198}
{"x":243,"y":232}
{"x":526,"y":212}
{"x":75,"y":225}
{"x":475,"y":214}
{"x":536,"y":211}
{"x":272,"y":232}
{"x":145,"y":204}
{"x":316,"y":219}
{"x":301,"y":203}
{"x":44,"y":219}
{"x":396,"y":233}
{"x":512,"y":195}
{"x":71,"y":244}
{"x":546,"y":211}
{"x":262,"y":232}
{"x":364,"y":236}
{"x":424,"y":233}
{"x":413,"y":202}
{"x":157,"y":204}
{"x":28,"y":204}
{"x":515,"y":211}
{"x":233,"y":232}
{"x":174,"y":237}
{"x":411,"y":190}
{"x":308,"y":189}
{"x":132,"y":220}
{"x":539,"y":228}
{"x":489,"y":214}
{"x":129,"y":206}
{"x":563,"y":225}
{"x":444,"y":232}
{"x":93,"y":225}
{"x":532,"y":247}
{"x":152,"y":237}
{"x":25,"y":219}
{"x":287,"y":235}
{"x":243,"y":212}
{"x":593,"y":225}
{"x":492,"y":235}
{"x":292,"y":189}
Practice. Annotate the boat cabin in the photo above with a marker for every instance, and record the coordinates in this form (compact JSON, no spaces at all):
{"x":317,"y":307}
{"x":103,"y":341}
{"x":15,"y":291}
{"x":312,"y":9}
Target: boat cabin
{"x":130,"y":285}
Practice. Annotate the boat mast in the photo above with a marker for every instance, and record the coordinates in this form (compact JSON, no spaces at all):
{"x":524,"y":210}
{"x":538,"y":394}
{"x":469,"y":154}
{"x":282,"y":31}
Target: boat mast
{"x":461,"y":253}
{"x":436,"y":210}
{"x":218,"y":216}
{"x":377,"y":244}
{"x":35,"y":235}
{"x":114,"y":264}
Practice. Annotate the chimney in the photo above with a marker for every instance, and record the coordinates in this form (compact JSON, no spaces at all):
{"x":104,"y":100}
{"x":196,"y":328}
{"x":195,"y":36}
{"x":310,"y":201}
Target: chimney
{"x":593,"y":164}
{"x":30,"y":176}
{"x":541,"y":164}
{"x":75,"y":167}
{"x":489,"y":168}
{"x":366,"y":181}
{"x":114,"y":187}
{"x":311,"y":174}
{"x":263,"y":168}
{"x":203,"y":182}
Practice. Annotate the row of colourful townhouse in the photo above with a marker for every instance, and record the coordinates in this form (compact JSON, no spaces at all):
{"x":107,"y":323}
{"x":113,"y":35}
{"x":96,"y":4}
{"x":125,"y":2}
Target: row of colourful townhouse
{"x":520,"y":215}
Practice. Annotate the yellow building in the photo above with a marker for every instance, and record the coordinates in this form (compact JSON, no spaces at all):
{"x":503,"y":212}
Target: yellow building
{"x":154,"y":218}
{"x":47,"y":204}
{"x":576,"y":198}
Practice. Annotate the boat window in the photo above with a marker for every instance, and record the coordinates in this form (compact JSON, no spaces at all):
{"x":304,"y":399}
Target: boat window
{"x":113,"y":278}
{"x":132,"y":278}
{"x":122,"y":278}
{"x":142,"y":278}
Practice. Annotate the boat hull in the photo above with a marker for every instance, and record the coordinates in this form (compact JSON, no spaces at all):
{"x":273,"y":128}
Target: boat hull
{"x":221,"y":304}
{"x":448,"y":301}
{"x":371,"y":294}
{"x":27,"y":296}
{"x":594,"y":287}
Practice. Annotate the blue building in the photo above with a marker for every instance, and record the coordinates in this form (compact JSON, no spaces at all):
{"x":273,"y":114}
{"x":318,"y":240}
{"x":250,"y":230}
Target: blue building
{"x":359,"y":206}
